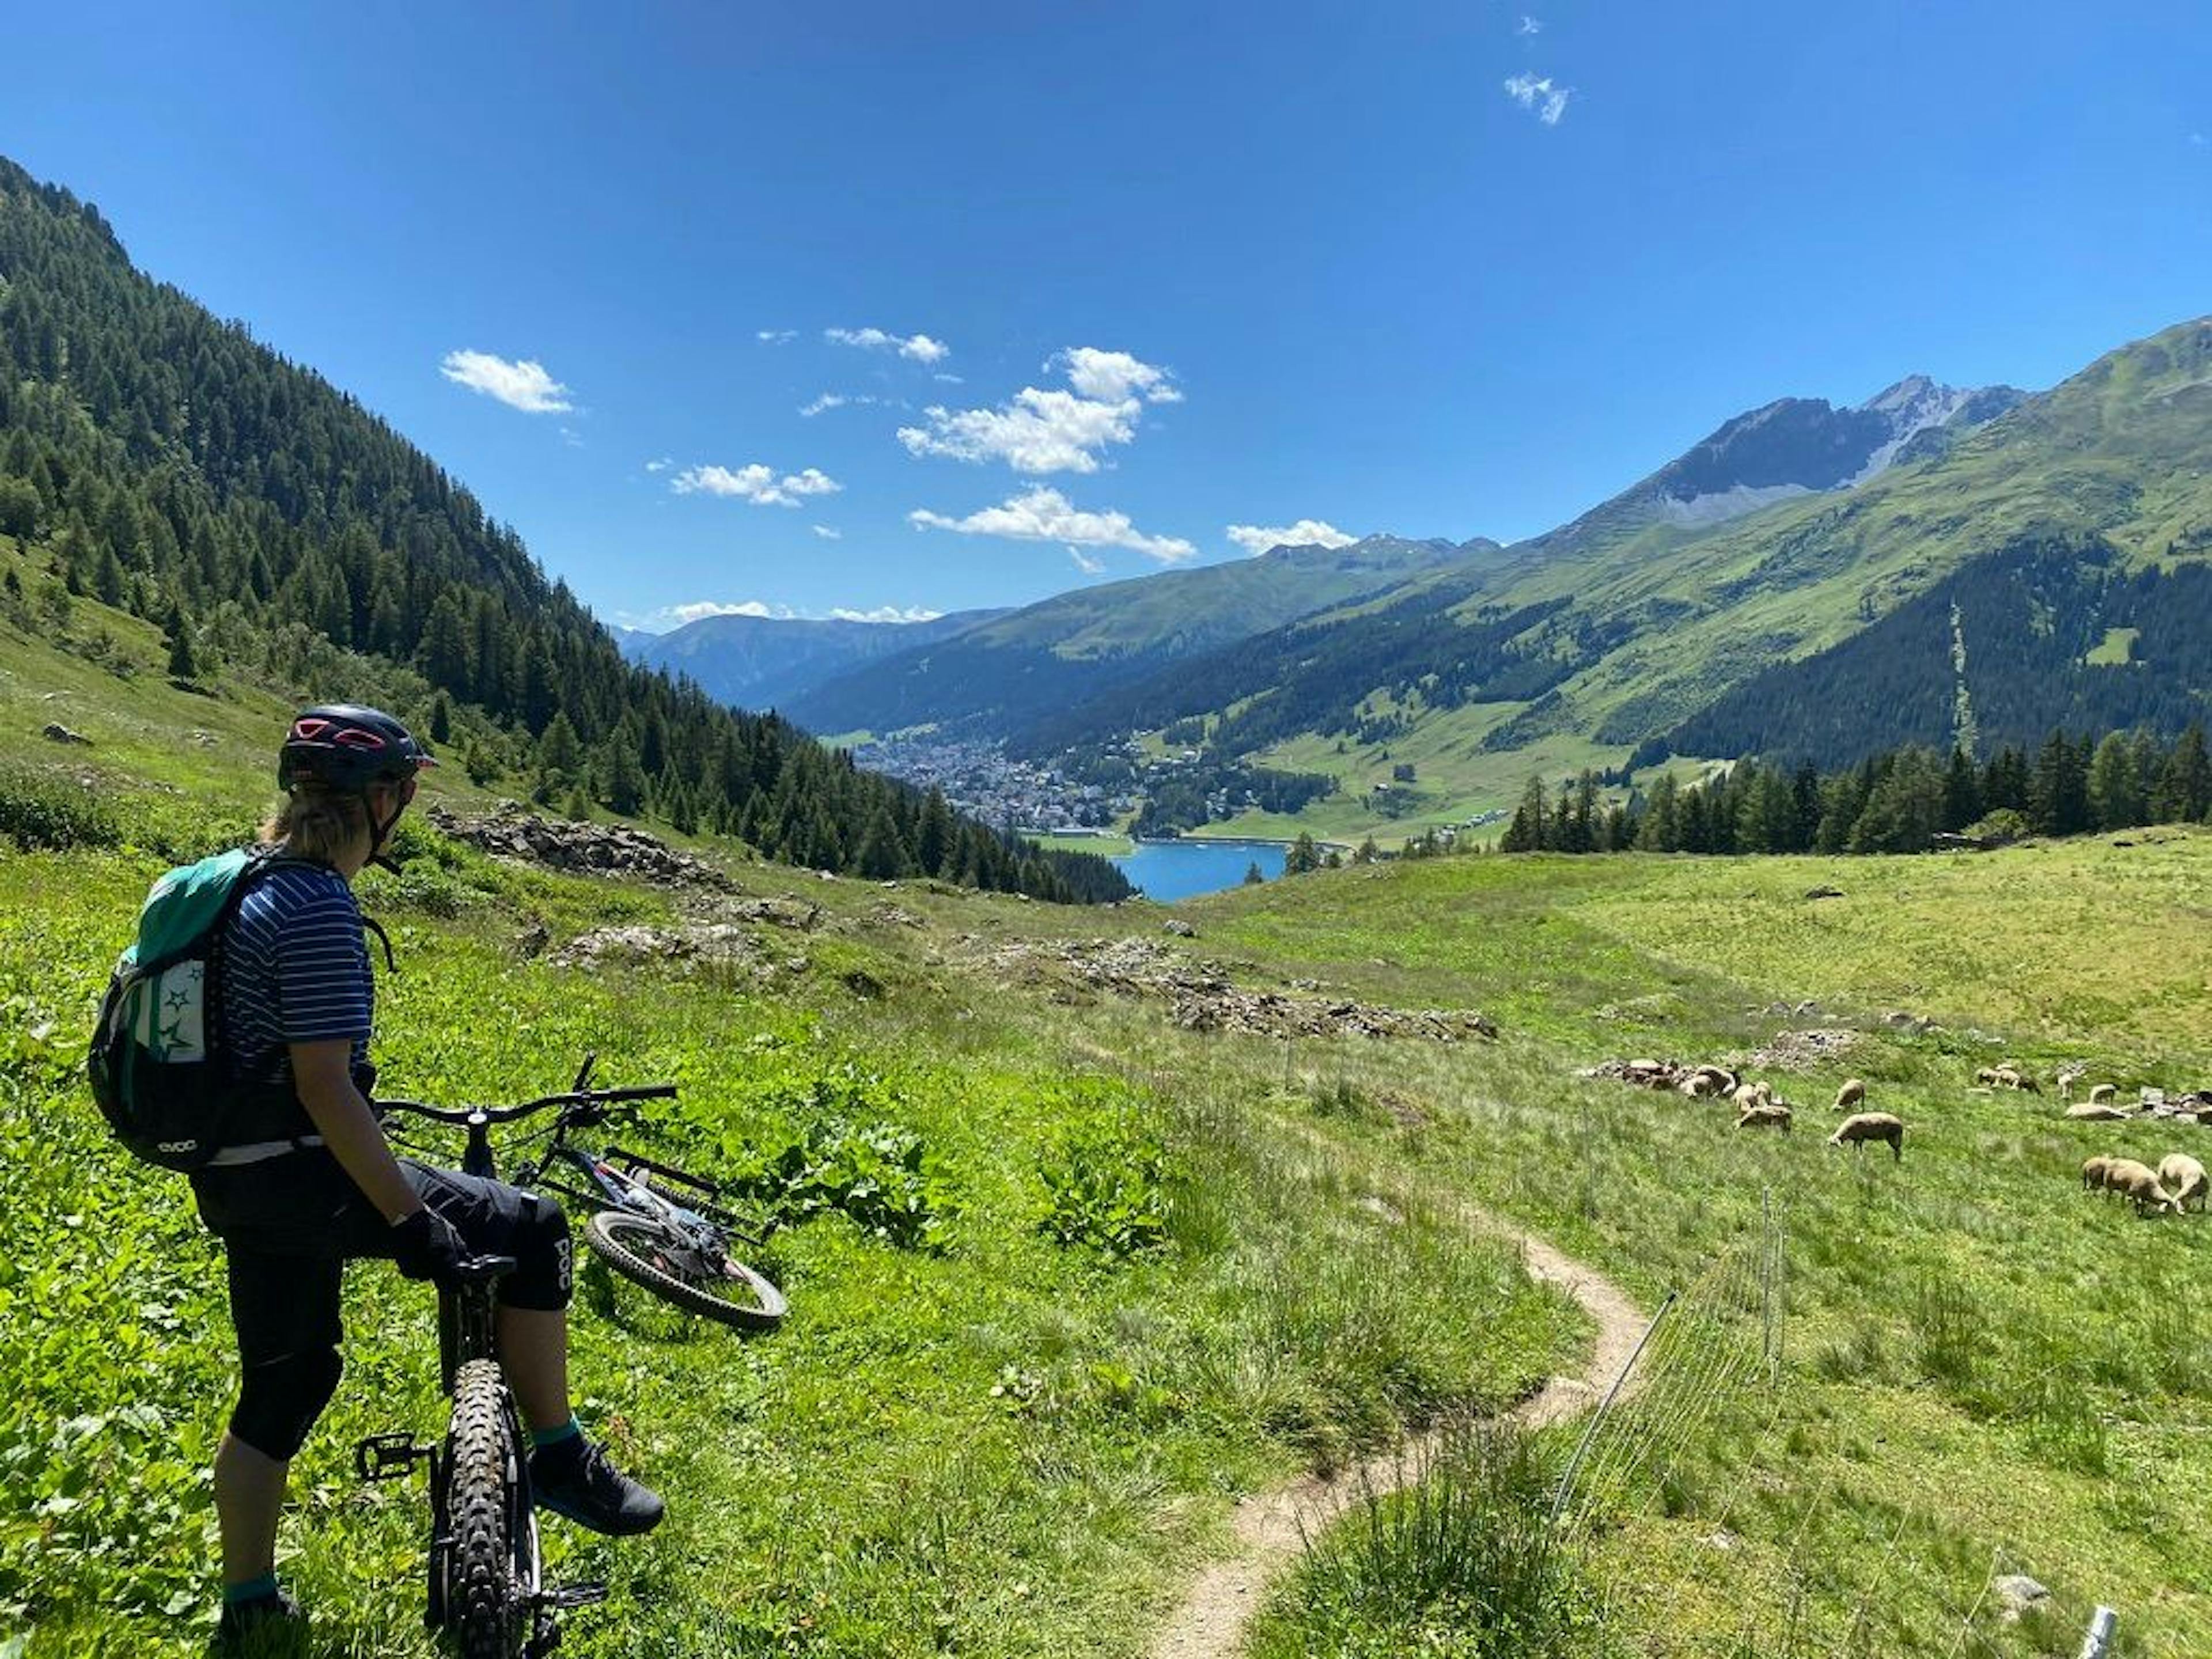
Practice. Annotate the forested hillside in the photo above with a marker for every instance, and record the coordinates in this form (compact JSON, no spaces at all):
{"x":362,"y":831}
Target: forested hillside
{"x":1076,"y":646}
{"x":169,"y":465}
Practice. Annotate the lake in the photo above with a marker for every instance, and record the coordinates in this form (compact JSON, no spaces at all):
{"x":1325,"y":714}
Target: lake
{"x":1170,"y":870}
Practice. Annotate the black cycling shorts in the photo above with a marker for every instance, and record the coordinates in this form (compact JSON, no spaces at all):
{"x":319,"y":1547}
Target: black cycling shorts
{"x":289,"y":1225}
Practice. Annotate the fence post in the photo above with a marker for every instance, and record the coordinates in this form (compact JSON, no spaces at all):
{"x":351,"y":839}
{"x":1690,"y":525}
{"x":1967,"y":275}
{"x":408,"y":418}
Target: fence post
{"x":2098,"y":1641}
{"x":1575,"y":1463}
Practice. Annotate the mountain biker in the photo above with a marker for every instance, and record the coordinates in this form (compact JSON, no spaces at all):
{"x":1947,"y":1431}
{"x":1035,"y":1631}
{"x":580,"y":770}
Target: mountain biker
{"x":321,"y":1186}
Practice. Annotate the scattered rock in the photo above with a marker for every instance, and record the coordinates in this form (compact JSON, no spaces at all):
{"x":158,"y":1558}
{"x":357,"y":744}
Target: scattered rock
{"x":1919,"y":1024}
{"x":1824,"y":891}
{"x":890,"y":915}
{"x":1798,"y":1051}
{"x":798,"y":915}
{"x":2016,"y":1593}
{"x":1202,"y":998}
{"x":562,"y":844}
{"x":1179,"y":927}
{"x":55,"y":732}
{"x":862,"y":984}
{"x":703,"y":942}
{"x":534,"y":939}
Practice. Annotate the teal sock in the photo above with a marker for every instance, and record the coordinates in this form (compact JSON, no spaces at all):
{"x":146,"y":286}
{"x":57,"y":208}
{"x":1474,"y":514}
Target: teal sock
{"x":252,"y":1589}
{"x":571,"y":1430}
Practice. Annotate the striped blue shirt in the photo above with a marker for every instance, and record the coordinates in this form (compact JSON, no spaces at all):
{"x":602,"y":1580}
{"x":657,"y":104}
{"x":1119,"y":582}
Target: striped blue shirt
{"x":295,"y":969}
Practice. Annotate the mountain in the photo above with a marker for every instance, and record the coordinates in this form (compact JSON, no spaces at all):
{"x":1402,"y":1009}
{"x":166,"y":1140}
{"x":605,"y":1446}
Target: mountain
{"x":1939,"y":565}
{"x":767,"y":662}
{"x":1790,"y":447}
{"x":165,"y":465}
{"x":1067,"y":649}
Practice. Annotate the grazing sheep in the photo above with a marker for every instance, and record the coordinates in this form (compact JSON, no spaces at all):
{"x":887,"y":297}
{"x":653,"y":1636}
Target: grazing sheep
{"x":2068,"y":1076}
{"x":1853,"y":1093}
{"x":2103,"y":1095}
{"x":2084,"y":1112}
{"x":2138,"y":1181}
{"x":1754,"y":1094}
{"x":1862,"y":1127}
{"x":1764,"y":1114}
{"x":2185,"y":1175}
{"x":2093,"y":1170}
{"x":1987,"y":1075}
{"x":1697,"y":1085}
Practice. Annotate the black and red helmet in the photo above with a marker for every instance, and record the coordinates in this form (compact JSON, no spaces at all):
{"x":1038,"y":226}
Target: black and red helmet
{"x":346,"y":746}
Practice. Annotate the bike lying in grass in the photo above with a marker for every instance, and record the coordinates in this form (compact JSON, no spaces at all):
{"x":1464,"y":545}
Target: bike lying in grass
{"x":656,"y":1225}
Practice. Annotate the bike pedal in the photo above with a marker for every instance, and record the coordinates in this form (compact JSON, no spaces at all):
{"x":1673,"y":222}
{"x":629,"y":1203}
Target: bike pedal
{"x":574,"y":1596}
{"x":388,"y":1456}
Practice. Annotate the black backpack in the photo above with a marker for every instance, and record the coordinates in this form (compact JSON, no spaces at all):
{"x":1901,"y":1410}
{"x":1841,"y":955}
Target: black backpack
{"x":160,"y":1062}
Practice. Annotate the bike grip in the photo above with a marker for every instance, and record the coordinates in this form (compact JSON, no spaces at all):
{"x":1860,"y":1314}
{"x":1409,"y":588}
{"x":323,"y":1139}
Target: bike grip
{"x":647,"y":1091}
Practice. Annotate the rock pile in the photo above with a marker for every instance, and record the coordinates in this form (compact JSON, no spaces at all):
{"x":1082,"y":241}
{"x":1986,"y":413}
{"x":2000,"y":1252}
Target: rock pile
{"x":604,"y":849}
{"x":699,"y":944}
{"x":1202,"y":998}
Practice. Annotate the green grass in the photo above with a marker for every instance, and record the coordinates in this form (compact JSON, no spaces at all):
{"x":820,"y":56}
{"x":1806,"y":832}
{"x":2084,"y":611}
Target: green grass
{"x":1024,"y":1442}
{"x":2116,"y":649}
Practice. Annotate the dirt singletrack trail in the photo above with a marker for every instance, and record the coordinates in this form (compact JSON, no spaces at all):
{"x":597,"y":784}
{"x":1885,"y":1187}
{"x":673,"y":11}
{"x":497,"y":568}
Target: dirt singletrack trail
{"x":1271,"y":1527}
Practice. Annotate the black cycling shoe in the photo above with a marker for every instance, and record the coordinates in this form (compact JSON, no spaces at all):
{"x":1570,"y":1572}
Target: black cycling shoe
{"x":575,"y":1479}
{"x":268,"y":1625}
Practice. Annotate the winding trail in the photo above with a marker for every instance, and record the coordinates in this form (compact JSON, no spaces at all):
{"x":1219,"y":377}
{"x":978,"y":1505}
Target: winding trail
{"x":1270,"y":1527}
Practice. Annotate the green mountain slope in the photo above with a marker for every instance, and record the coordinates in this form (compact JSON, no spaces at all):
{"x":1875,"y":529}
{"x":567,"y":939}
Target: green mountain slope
{"x":172,"y":469}
{"x":1075,"y":645}
{"x":1581,"y":649}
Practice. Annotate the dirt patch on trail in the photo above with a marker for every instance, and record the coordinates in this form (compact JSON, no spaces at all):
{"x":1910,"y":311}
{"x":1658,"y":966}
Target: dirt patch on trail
{"x":1271,"y":1527}
{"x":1201,"y":995}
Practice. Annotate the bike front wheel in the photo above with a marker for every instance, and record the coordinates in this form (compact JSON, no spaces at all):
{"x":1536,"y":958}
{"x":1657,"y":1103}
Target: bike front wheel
{"x":490,"y":1549}
{"x":707,"y":1280}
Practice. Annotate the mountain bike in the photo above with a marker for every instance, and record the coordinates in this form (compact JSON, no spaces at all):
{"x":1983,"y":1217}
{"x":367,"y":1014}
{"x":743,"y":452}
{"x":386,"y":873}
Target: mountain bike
{"x":485,"y":1590}
{"x":660,"y":1227}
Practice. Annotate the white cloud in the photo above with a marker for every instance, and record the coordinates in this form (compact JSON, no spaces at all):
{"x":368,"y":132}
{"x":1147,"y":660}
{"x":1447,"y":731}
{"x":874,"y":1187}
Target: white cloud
{"x":950,"y":379}
{"x":524,"y":384}
{"x":827,"y":401}
{"x":755,"y":483}
{"x":2198,"y":139}
{"x":888,"y":613}
{"x":661,"y":465}
{"x":1530,"y":25}
{"x":827,"y":533}
{"x":1086,"y":563}
{"x":1306,"y":533}
{"x":1110,"y":377}
{"x":677,"y":615}
{"x":1539,"y":96}
{"x":1046,"y":515}
{"x":918,"y":348}
{"x":776,"y":336}
{"x":1051,"y":431}
{"x":1038,"y":432}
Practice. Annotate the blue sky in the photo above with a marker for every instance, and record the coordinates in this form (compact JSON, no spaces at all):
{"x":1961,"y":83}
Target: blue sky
{"x":1104,"y":289}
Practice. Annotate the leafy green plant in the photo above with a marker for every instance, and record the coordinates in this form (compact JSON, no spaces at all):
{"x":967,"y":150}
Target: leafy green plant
{"x":872,"y":1174}
{"x":38,"y":808}
{"x":1105,"y":1182}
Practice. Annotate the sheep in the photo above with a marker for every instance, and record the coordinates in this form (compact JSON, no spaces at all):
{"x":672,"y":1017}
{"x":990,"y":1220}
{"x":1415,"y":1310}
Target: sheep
{"x":1764,"y":1114}
{"x":1853,"y":1093}
{"x":2103,"y":1095}
{"x":1697,"y":1085}
{"x":1988,"y":1076}
{"x":1863,"y":1127}
{"x":2083,"y":1112}
{"x":2094,"y":1171}
{"x":1754,"y":1094}
{"x":2068,"y":1076}
{"x":2138,"y":1181}
{"x":2185,"y":1175}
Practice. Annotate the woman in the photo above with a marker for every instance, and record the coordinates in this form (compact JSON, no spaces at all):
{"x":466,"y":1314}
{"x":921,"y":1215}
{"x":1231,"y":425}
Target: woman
{"x":315,"y":1184}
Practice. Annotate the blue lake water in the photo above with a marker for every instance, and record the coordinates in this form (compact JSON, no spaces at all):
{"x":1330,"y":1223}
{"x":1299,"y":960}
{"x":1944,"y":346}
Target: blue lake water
{"x":1169,"y":870}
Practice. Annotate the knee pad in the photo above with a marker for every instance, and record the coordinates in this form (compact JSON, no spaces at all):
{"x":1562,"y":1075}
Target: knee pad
{"x":280,"y":1400}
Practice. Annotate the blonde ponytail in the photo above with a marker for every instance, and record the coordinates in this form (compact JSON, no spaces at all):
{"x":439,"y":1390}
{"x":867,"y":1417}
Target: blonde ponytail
{"x":317,"y":824}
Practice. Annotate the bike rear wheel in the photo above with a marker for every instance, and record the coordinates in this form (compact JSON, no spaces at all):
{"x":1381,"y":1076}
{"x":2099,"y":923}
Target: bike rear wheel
{"x":707,"y":1281}
{"x":489,"y":1556}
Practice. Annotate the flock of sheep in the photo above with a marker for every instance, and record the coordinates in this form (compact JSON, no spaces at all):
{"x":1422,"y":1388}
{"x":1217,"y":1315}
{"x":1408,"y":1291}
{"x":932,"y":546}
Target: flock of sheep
{"x":1757,"y":1105}
{"x":2168,"y":1188}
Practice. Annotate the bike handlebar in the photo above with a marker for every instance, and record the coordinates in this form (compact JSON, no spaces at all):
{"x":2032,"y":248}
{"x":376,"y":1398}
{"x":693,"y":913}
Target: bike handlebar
{"x":463,"y":1117}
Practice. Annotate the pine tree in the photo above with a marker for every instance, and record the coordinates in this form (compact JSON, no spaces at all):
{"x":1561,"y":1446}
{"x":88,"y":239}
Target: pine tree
{"x":183,"y":666}
{"x":2184,"y":782}
{"x":1304,"y":858}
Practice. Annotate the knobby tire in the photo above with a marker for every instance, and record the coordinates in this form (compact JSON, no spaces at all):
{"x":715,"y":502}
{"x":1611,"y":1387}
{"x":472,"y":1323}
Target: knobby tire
{"x":648,"y":1251}
{"x":488,"y":1566}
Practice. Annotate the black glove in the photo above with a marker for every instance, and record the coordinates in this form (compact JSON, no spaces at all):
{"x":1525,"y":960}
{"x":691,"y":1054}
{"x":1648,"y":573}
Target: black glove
{"x":428,"y":1246}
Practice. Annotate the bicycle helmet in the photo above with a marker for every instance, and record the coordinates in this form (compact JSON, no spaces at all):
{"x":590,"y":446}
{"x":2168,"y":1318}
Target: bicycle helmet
{"x":343,"y":745}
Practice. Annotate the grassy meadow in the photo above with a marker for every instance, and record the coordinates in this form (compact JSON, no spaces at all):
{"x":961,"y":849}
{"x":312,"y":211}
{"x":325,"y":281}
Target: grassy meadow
{"x":1068,"y":1279}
